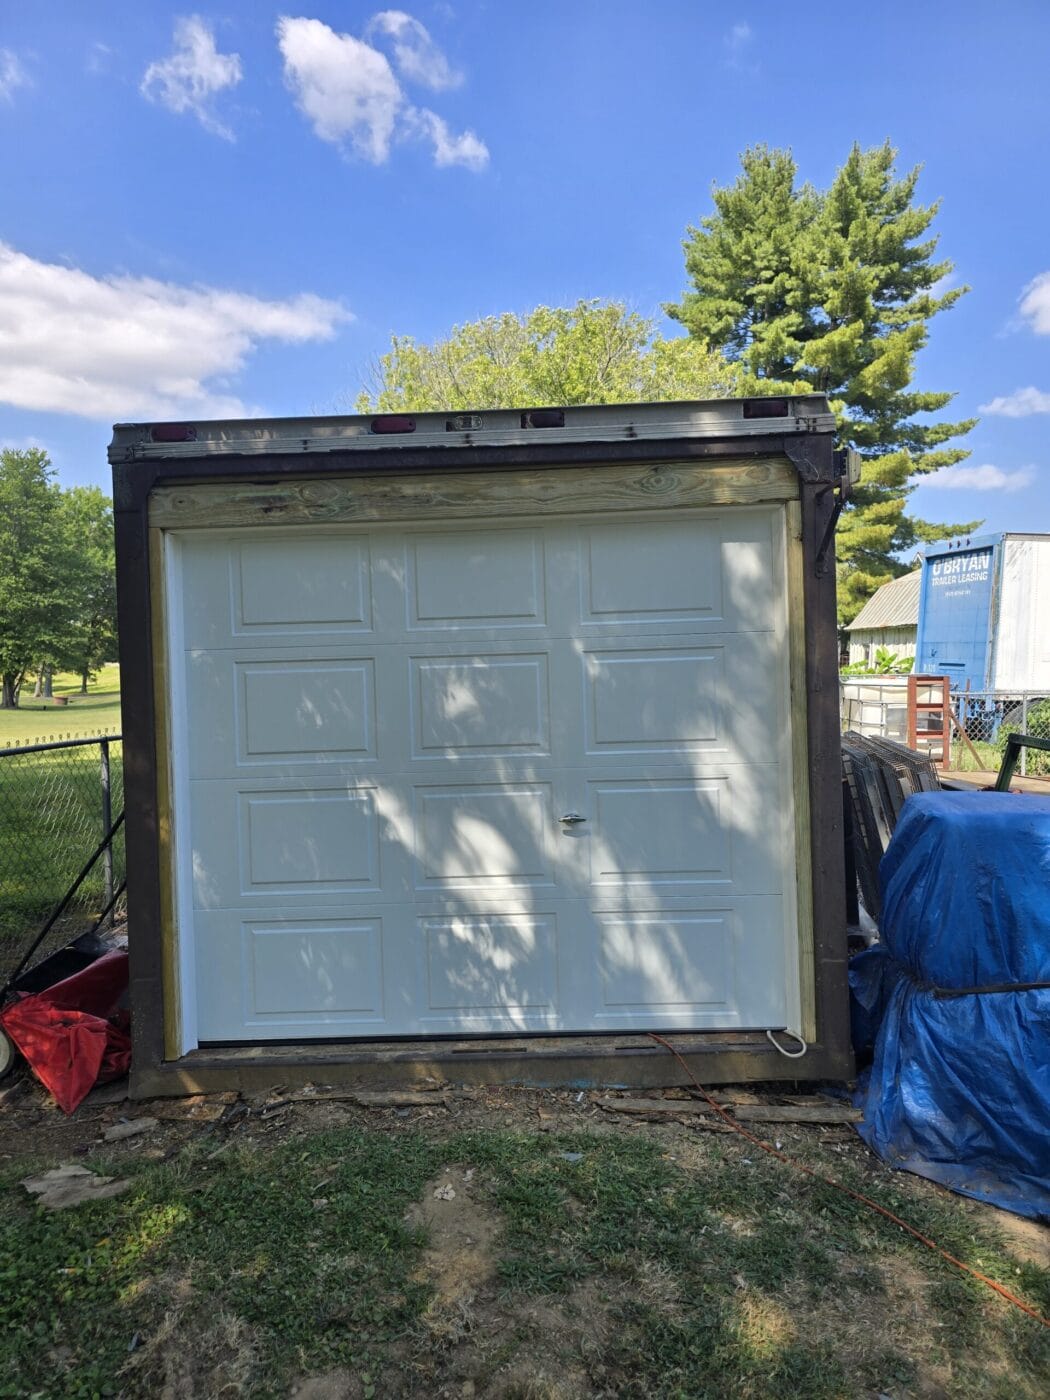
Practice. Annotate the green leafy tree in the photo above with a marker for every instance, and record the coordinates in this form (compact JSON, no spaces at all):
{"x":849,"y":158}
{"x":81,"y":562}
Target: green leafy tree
{"x":90,"y":636}
{"x":593,"y":352}
{"x":34,"y":606}
{"x":834,"y":291}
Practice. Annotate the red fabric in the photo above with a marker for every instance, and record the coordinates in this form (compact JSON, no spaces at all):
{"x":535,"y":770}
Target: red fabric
{"x":75,"y":1034}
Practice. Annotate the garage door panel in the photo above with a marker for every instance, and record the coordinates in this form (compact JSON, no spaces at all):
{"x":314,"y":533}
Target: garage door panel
{"x":716,"y":702}
{"x":689,"y":965}
{"x":258,"y":587}
{"x":309,"y":842}
{"x":478,"y":835}
{"x":282,"y":709}
{"x":474,"y":578}
{"x":752,"y":570}
{"x":620,"y":586}
{"x":283,"y":839}
{"x":665,"y":834}
{"x":285,"y":973}
{"x":671,"y":698}
{"x":291,"y":710}
{"x":374,"y":815}
{"x":714,"y":574}
{"x":287,"y":586}
{"x":481,"y":964}
{"x":480,"y":705}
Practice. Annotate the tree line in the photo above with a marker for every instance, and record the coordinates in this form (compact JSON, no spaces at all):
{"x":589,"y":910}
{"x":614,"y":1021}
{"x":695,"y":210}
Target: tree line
{"x":790,"y":289}
{"x":58,"y":600}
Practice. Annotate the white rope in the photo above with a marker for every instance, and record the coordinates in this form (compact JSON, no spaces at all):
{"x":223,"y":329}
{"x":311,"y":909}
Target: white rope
{"x":788,"y":1054}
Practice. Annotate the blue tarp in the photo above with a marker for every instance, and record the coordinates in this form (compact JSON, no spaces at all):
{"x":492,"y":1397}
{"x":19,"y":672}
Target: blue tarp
{"x":959,"y":1088}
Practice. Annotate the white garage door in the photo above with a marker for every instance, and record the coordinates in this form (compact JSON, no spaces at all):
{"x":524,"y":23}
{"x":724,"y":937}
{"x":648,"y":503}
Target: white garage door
{"x":522,"y":778}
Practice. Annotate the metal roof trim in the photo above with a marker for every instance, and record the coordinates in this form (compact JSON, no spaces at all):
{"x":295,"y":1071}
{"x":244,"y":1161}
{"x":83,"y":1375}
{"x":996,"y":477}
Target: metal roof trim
{"x":711,"y":418}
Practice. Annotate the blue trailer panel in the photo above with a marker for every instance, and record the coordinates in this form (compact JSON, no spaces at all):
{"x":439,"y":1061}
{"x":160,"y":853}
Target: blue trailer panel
{"x":955,"y":611}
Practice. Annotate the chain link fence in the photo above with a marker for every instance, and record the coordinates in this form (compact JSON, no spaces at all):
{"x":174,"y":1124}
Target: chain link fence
{"x":58,"y":801}
{"x":987,"y":718}
{"x":877,"y":707}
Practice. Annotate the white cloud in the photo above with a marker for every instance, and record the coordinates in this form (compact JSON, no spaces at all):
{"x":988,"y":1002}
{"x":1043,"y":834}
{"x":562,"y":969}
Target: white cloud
{"x":345,"y":88}
{"x":97,"y":61}
{"x":737,"y":46}
{"x":982,"y":478}
{"x":124,"y":347}
{"x":193,"y":75}
{"x":465,"y":149}
{"x":349,"y":93}
{"x":1035,"y":304}
{"x":417,"y":57}
{"x":12,"y":75}
{"x":1022,"y":403}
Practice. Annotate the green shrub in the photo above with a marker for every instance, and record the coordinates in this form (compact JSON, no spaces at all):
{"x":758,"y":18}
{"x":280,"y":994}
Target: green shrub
{"x":1037,"y":761}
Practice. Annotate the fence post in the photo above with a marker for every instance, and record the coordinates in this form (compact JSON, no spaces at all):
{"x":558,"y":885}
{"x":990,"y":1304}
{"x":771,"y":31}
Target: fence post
{"x":107,"y":822}
{"x":1024,"y":730}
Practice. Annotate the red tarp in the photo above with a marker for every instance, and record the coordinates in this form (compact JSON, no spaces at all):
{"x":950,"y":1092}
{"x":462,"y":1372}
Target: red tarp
{"x":75,"y":1034}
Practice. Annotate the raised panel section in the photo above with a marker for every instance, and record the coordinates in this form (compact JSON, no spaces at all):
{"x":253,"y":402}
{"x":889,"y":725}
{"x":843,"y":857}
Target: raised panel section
{"x":321,"y":968}
{"x":654,"y":700}
{"x":666,"y":961}
{"x":293,"y":710}
{"x":476,"y":579}
{"x":649,"y":572}
{"x":661,"y":832}
{"x":486,"y":834}
{"x":490,"y":963}
{"x":750,"y":571}
{"x":289,"y":585}
{"x":308,"y":842}
{"x":484,"y":705}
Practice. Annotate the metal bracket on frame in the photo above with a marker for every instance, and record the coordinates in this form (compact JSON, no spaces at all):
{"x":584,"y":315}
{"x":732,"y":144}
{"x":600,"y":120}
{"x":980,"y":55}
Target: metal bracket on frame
{"x":847,"y":471}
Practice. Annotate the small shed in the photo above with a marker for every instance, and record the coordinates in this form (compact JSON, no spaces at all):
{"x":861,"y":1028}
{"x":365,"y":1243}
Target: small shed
{"x":480,"y":746}
{"x":889,"y":619}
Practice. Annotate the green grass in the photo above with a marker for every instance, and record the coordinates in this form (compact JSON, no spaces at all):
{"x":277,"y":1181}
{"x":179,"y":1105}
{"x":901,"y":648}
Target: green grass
{"x":38,"y":721}
{"x":962,"y":760}
{"x":724,"y":1275}
{"x":51,"y":810}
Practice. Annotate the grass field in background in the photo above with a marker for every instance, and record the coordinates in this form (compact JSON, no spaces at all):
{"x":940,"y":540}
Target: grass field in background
{"x":39,"y":721}
{"x":51,"y":815}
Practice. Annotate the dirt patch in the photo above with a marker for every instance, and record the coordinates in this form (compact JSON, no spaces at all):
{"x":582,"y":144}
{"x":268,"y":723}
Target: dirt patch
{"x":460,"y":1261}
{"x":333,"y":1385}
{"x":221,"y":1361}
{"x":1027,"y":1240}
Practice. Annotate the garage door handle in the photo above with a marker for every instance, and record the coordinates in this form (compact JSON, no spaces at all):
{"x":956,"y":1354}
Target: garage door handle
{"x":571,"y":819}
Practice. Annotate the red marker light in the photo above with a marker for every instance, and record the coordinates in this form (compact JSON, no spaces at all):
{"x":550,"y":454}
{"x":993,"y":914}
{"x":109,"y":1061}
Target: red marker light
{"x":173,"y":432}
{"x":394,"y":423}
{"x":766,"y":408}
{"x":543,"y":418}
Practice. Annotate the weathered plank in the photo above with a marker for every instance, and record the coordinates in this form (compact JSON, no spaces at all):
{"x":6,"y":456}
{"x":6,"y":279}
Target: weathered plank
{"x":796,"y":1113}
{"x":668,"y":1108}
{"x":371,"y":499}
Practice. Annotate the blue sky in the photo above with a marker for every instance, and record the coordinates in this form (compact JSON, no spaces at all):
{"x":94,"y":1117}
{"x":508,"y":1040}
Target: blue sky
{"x":229,"y":209}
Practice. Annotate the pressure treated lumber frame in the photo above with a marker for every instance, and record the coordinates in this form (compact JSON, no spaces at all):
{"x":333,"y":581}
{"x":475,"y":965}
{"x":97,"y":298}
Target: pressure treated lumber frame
{"x":459,"y":482}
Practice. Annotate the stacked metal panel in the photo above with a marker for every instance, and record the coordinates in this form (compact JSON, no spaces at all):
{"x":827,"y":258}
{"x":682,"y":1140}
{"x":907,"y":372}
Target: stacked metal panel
{"x":878,"y":776}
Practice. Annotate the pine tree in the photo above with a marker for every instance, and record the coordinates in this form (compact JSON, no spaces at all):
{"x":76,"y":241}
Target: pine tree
{"x":834,"y":291}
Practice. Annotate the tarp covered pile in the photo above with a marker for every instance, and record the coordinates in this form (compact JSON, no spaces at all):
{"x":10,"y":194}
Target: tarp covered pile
{"x":955,"y":1000}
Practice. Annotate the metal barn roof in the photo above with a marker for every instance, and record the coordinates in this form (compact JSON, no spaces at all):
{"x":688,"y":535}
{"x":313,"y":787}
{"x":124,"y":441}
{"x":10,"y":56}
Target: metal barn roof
{"x":895,"y":604}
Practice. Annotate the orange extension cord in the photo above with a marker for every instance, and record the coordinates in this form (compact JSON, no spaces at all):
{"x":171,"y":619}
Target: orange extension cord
{"x":848,"y":1191}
